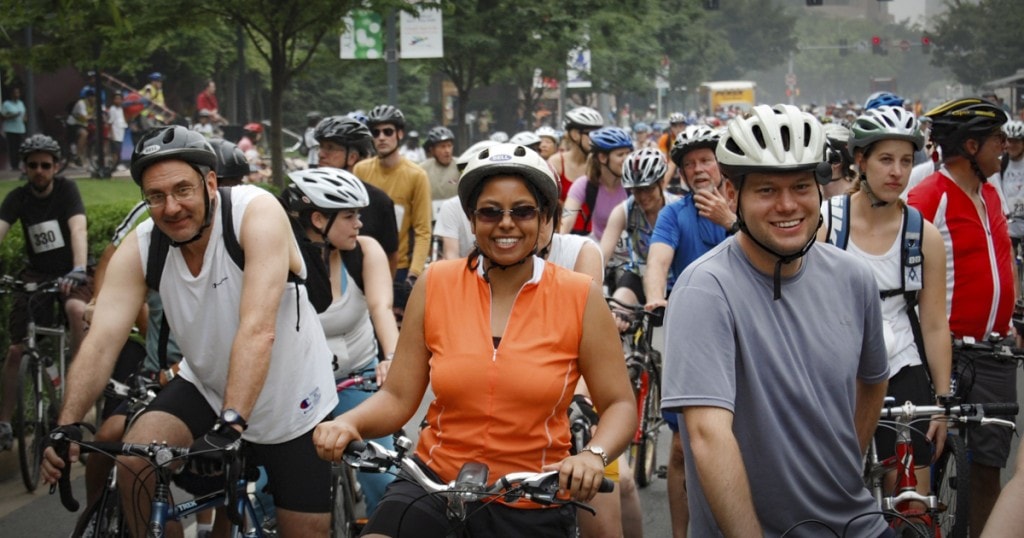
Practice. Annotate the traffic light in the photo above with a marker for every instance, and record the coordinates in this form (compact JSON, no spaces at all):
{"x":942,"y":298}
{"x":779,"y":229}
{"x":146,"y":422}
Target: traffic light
{"x":926,"y":44}
{"x":844,"y":47}
{"x":876,"y":45}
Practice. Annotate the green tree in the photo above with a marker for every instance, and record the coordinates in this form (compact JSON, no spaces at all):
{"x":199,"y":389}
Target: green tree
{"x":979,"y":41}
{"x":760,"y":33}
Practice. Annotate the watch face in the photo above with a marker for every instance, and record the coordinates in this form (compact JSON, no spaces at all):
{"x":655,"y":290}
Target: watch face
{"x":230,"y":416}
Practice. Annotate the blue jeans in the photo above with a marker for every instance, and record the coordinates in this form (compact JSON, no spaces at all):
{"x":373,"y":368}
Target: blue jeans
{"x":373,"y":484}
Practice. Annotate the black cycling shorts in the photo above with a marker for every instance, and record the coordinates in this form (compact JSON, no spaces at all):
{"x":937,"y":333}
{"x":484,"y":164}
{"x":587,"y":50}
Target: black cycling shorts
{"x":297,"y":478}
{"x":991,"y":381}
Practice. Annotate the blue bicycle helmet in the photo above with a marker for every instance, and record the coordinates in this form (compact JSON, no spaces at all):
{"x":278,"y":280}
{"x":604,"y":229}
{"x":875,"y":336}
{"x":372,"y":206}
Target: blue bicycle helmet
{"x":610,"y":138}
{"x":878,"y":99}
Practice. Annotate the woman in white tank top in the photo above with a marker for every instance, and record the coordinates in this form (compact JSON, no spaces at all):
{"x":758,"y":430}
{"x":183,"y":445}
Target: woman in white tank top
{"x":883,"y":142}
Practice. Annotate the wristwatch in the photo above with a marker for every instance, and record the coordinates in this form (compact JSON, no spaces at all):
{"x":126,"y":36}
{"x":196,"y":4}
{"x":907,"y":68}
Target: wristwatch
{"x":599,"y":451}
{"x":230,"y":417}
{"x":734,"y":228}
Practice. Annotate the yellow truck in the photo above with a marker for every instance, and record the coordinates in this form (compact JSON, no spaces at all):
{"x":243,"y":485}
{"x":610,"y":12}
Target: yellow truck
{"x":728,"y":93}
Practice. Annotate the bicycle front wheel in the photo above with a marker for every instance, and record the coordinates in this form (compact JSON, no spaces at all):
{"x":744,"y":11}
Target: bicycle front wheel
{"x":650,"y":422}
{"x":102,"y":519}
{"x":31,"y":424}
{"x":343,"y":503}
{"x":950,"y":482}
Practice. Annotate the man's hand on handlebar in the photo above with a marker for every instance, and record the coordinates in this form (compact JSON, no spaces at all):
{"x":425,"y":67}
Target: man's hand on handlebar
{"x":76,"y":277}
{"x":52,"y":465}
{"x":330,"y":438}
{"x":655,"y":304}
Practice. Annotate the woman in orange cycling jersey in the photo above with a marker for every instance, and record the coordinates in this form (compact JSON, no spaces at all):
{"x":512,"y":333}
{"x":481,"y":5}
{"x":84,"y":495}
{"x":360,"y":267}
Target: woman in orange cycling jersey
{"x":479,"y":331}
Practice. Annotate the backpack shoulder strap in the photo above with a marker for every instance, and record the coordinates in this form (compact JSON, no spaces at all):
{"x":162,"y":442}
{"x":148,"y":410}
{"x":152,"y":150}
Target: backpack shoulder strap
{"x":353,"y":260}
{"x":590,"y":200}
{"x":156,"y":257}
{"x":839,"y":220}
{"x":912,"y":255}
{"x":228,"y":224}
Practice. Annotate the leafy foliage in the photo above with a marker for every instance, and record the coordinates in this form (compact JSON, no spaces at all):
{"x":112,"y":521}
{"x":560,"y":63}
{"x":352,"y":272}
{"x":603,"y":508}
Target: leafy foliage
{"x":979,"y":41}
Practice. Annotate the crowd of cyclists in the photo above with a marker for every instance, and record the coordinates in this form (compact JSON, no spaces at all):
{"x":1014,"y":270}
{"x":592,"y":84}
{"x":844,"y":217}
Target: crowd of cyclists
{"x":485,"y":276}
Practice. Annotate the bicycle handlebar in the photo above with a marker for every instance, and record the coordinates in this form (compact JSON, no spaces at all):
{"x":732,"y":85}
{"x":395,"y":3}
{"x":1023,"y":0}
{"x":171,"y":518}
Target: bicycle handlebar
{"x":355,"y":380}
{"x":656,"y":314}
{"x":541,"y":488}
{"x":977,"y":413}
{"x":992,"y":345}
{"x":9,"y":284}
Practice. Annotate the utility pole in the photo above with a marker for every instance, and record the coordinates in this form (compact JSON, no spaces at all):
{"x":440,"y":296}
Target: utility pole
{"x":391,"y":56}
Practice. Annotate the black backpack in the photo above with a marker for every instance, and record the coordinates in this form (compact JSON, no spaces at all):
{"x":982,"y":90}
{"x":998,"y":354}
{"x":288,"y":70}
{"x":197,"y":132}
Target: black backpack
{"x":317,"y":281}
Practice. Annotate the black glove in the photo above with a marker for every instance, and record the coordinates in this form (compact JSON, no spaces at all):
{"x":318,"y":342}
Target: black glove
{"x":1018,"y":317}
{"x":76,"y":277}
{"x":206,"y":456}
{"x":410,"y":281}
{"x":62,"y":435}
{"x":582,"y":417}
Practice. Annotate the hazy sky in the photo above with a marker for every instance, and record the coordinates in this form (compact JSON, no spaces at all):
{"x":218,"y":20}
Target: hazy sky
{"x":907,"y":9}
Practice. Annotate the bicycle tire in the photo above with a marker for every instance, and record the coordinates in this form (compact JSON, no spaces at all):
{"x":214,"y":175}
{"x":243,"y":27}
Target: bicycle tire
{"x":914,"y":530}
{"x":343,"y":509}
{"x":950,"y":479}
{"x":103,"y":518}
{"x":31,"y":422}
{"x":647,"y":448}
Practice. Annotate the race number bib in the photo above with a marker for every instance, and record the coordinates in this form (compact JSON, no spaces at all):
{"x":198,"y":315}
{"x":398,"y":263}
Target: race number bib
{"x":45,"y":236}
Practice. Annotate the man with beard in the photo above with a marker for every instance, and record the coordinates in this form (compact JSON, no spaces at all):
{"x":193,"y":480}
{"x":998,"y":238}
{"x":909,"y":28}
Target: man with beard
{"x":53,"y":221}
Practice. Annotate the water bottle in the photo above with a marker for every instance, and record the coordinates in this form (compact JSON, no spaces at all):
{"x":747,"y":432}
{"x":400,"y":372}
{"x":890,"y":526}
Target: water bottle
{"x":53,"y":372}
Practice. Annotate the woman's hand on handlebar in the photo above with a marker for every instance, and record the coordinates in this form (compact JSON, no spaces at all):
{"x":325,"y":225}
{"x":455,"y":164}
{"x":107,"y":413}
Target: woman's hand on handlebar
{"x":382,"y":371}
{"x":330,"y":438}
{"x":580,"y":475}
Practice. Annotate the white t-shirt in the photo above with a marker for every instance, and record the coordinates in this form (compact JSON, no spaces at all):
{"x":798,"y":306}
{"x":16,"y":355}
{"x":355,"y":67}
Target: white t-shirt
{"x":1013,"y":194}
{"x":115,"y":115}
{"x":453,"y":224}
{"x":565,"y":249}
{"x":203,"y":313}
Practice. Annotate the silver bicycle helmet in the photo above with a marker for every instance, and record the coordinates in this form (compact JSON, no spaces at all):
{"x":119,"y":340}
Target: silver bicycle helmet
{"x":1014,"y":129}
{"x":885,"y":123}
{"x":693,"y":137}
{"x":545,"y":131}
{"x":39,"y":142}
{"x":438,"y":134}
{"x":676,"y":118}
{"x":173,"y":142}
{"x":582,"y":117}
{"x":772,"y":138}
{"x":385,"y":114}
{"x":525,"y":138}
{"x":643,"y":167}
{"x":326,"y":189}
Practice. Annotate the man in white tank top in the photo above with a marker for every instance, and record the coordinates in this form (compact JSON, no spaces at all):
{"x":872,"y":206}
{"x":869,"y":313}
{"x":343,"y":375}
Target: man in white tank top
{"x":257,"y":365}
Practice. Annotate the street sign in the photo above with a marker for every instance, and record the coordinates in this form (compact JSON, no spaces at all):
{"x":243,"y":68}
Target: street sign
{"x":905,"y":45}
{"x":790,"y":79}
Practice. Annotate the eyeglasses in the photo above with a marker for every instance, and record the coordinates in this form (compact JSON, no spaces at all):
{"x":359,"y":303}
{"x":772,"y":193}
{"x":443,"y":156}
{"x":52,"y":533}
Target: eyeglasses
{"x":387,"y":131}
{"x":494,"y":214}
{"x":34,"y":165}
{"x":180,"y":194}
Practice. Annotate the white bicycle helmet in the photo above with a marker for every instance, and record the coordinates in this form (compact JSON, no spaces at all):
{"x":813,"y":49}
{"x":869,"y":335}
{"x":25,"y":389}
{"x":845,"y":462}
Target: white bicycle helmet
{"x":463,"y":160}
{"x":510,"y":159}
{"x":582,"y":117}
{"x":548,"y":132}
{"x":499,"y":137}
{"x":693,"y":137}
{"x":837,"y":132}
{"x":643,"y":167}
{"x":326,"y":189}
{"x":525,"y":138}
{"x":676,"y":118}
{"x":885,"y":123}
{"x":772,"y":138}
{"x":1014,"y":129}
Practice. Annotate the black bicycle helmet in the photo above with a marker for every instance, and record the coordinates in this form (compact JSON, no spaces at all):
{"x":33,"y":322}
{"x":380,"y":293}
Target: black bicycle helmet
{"x":39,"y":142}
{"x":173,"y":142}
{"x":386,"y":114}
{"x":343,"y":130}
{"x":438,"y":134}
{"x":231,"y":162}
{"x":959,"y":120}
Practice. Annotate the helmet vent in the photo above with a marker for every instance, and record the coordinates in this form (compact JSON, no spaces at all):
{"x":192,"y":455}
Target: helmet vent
{"x":733,"y":147}
{"x":519,"y":151}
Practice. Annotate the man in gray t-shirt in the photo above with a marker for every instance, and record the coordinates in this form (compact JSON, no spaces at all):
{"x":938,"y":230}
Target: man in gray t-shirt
{"x":779,"y":395}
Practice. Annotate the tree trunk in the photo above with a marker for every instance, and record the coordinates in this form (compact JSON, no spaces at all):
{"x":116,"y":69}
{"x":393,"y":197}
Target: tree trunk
{"x":278,"y":82}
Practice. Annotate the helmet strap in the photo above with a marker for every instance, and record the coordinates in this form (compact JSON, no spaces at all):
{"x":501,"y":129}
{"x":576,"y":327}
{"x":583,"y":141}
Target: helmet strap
{"x":864,"y":186}
{"x":781,"y":259}
{"x":578,"y":143}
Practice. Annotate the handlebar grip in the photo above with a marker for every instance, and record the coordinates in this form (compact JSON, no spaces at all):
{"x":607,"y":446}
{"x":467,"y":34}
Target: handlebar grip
{"x":67,"y":496}
{"x":607,"y":486}
{"x":355,"y":448}
{"x":1003,"y":409}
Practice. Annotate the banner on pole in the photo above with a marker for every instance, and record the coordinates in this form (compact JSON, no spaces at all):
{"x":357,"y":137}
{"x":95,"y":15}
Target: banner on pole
{"x":364,"y":36}
{"x":577,"y":73}
{"x":422,"y":35}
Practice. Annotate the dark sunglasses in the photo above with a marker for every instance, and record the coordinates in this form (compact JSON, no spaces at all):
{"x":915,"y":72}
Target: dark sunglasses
{"x":388,"y":131}
{"x":44,"y":166}
{"x":495,"y":214}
